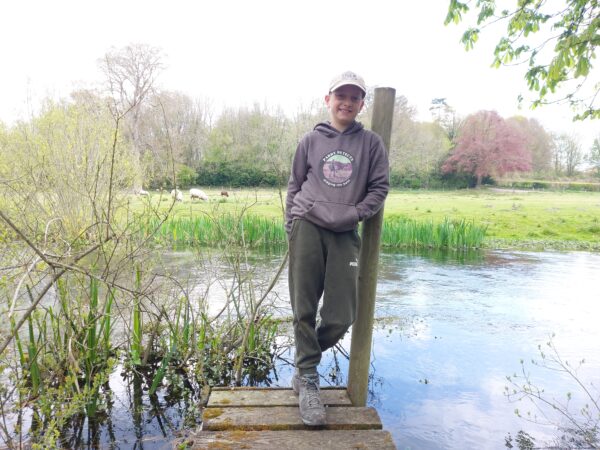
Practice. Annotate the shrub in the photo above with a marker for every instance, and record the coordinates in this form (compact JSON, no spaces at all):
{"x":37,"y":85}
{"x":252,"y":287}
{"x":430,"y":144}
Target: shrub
{"x":238,"y":174}
{"x":573,"y":186}
{"x":186,"y":177}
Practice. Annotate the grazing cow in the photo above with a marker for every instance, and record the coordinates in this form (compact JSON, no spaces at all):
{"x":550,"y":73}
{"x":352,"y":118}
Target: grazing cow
{"x":197,"y":193}
{"x":177,"y":195}
{"x":224,"y":194}
{"x":143,"y":193}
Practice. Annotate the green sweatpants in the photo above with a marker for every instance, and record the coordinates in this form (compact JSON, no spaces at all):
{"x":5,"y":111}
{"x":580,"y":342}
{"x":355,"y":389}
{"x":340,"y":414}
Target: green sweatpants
{"x":322,"y":263}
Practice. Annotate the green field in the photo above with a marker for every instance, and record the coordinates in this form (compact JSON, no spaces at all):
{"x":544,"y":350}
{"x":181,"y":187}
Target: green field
{"x":513,"y":219}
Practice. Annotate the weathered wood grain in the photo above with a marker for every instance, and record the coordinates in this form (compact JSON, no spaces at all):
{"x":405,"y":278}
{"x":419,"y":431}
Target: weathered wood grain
{"x":293,"y":440}
{"x":362,"y":329}
{"x":271,"y":397}
{"x":287,"y":418}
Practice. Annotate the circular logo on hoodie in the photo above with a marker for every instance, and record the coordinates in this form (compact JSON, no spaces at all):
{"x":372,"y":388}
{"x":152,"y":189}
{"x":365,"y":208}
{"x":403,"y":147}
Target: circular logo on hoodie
{"x":337,"y":168}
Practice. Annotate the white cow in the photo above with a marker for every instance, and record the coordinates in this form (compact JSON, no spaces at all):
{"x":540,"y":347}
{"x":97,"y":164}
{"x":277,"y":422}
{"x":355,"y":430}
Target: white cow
{"x":177,"y":195}
{"x":197,"y":193}
{"x":143,"y":193}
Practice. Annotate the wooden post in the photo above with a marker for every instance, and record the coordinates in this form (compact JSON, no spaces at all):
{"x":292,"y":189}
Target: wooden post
{"x":362,"y":330}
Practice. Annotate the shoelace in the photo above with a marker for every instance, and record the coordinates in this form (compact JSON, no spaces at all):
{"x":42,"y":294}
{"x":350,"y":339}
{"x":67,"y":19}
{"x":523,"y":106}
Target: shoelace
{"x":312,"y":392}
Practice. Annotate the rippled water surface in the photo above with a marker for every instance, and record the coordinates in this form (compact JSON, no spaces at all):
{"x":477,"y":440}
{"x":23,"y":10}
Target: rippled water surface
{"x":449,"y":329}
{"x":458,"y":326}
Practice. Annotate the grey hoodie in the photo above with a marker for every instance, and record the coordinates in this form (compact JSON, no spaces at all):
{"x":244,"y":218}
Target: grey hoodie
{"x":337,"y":179}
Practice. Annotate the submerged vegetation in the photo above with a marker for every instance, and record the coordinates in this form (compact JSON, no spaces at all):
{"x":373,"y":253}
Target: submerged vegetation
{"x":153,"y":329}
{"x":87,"y":293}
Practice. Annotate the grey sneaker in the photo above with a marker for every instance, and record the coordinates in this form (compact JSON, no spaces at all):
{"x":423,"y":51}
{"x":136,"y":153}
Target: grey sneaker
{"x":312,"y":410}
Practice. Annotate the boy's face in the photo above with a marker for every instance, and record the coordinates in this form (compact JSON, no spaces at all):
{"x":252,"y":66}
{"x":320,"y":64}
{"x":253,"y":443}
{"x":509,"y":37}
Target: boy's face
{"x":344,"y":105}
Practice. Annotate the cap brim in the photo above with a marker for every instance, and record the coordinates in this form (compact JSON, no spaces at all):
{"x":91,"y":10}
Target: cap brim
{"x":348,"y":83}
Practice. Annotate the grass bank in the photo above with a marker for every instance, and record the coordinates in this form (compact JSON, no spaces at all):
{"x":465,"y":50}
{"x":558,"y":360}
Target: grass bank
{"x":511,"y":218}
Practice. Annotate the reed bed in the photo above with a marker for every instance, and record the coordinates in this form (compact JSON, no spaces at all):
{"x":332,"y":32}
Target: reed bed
{"x":253,"y":231}
{"x":64,"y":359}
{"x":256,"y":231}
{"x":401,"y":232}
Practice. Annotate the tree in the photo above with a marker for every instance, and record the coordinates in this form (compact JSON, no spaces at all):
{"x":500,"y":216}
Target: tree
{"x":568,"y":154}
{"x":594,"y":156}
{"x":416,"y":151}
{"x":415,"y":147}
{"x":250,"y":147}
{"x":537,"y":141}
{"x":488,"y":146}
{"x":309,"y":114}
{"x":445,"y":116}
{"x":130,"y":74}
{"x":172,"y":128}
{"x":571,"y":26}
{"x":59,"y":166}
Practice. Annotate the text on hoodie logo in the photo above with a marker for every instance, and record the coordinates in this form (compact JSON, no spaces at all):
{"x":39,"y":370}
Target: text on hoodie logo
{"x":337,"y":168}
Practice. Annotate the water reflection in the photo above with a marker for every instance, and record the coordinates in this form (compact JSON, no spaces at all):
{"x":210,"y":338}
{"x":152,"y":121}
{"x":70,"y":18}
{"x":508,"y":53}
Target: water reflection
{"x":475,"y":318}
{"x":450,"y":328}
{"x":453,"y":325}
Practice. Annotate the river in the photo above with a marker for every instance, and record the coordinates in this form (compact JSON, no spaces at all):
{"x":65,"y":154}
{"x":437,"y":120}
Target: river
{"x":452,"y":327}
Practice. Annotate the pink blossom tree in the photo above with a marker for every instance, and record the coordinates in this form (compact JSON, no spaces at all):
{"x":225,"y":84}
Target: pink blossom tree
{"x":487,"y":145}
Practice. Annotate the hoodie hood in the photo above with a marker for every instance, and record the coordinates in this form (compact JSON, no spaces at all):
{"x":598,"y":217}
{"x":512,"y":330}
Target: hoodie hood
{"x":326,"y":129}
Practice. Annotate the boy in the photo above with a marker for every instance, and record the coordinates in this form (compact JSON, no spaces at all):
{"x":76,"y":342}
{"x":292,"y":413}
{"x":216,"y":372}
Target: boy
{"x":339,"y":177}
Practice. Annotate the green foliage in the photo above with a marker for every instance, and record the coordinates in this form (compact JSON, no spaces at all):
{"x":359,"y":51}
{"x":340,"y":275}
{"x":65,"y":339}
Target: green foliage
{"x":58,"y":169}
{"x":258,"y":231}
{"x":33,"y":367}
{"x":248,"y":147}
{"x":455,"y":234}
{"x":205,"y":230}
{"x":408,"y":180}
{"x":136,"y":323}
{"x":574,"y":31}
{"x":571,"y":186}
{"x":594,"y":157}
{"x":65,"y":366}
{"x":238,"y":174}
{"x":186,"y":177}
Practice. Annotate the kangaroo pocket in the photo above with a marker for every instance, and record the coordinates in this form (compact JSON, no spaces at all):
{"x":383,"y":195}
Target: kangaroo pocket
{"x":333,"y":216}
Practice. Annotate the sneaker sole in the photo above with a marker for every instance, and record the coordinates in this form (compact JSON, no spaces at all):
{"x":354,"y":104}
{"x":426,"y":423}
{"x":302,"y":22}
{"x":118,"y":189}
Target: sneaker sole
{"x":314,"y":424}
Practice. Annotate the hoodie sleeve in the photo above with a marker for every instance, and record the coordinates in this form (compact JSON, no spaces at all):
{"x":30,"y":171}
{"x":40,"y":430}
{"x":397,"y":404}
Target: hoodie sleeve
{"x":378,"y":183}
{"x":297,"y":178}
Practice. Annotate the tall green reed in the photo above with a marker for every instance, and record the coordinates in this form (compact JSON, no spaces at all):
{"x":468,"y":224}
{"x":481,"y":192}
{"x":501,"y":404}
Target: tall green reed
{"x":181,"y":341}
{"x":213,"y":230}
{"x":397,"y":232}
{"x":63,"y":359}
{"x":136,"y":332}
{"x":455,"y":234}
{"x":32,"y":353}
{"x":92,"y":341}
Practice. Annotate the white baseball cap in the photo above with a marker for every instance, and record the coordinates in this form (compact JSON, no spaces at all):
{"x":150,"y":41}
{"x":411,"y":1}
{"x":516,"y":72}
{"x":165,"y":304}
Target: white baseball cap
{"x":348,"y":78}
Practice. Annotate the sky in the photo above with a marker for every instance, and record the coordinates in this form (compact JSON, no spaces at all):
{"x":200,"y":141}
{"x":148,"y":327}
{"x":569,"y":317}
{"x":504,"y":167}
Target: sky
{"x":277,"y":53}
